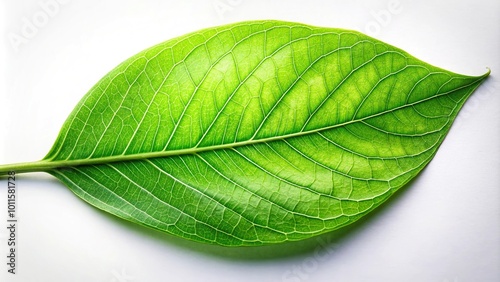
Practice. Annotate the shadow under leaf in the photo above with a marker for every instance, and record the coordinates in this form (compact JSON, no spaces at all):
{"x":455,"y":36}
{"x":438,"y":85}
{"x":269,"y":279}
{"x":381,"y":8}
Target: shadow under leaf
{"x":325,"y":242}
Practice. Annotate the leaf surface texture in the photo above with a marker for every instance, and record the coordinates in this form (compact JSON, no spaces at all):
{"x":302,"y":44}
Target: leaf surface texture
{"x":257,"y":132}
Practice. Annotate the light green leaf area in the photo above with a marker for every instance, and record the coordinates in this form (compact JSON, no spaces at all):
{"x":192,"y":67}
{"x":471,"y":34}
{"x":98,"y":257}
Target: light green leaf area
{"x":256,"y":132}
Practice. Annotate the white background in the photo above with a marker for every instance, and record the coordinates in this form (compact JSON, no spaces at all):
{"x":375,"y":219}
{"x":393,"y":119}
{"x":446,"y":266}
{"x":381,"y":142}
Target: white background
{"x":444,"y":226}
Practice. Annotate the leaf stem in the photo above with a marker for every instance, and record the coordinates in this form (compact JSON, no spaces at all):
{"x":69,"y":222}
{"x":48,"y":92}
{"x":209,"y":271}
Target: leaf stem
{"x":27,"y":167}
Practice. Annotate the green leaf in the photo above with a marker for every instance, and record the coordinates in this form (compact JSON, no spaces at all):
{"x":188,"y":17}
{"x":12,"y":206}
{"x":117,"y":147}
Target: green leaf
{"x":256,"y":132}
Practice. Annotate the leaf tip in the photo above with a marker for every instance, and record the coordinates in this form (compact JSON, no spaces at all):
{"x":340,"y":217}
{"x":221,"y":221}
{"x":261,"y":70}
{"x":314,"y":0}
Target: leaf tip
{"x":488,"y":71}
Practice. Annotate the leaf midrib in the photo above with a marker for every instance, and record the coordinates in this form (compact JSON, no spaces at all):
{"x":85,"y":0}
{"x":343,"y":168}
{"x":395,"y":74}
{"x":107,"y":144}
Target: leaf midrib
{"x":50,"y":164}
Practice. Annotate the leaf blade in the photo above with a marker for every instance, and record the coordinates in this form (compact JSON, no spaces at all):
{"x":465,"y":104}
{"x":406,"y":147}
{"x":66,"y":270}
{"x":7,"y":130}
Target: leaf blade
{"x":283,"y":132}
